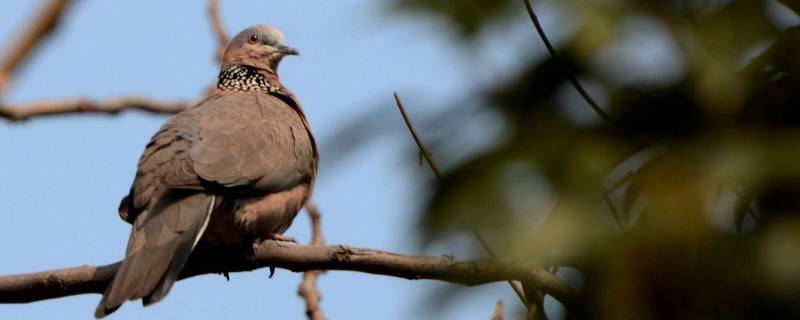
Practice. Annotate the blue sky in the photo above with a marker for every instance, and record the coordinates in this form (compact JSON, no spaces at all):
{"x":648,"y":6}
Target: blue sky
{"x":62,"y":177}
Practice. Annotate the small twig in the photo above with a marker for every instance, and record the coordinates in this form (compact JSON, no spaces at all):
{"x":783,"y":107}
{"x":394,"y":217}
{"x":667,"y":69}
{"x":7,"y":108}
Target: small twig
{"x":514,"y":285}
{"x":45,"y":22}
{"x":308,"y":287}
{"x":536,"y":297}
{"x":569,"y":75}
{"x":748,"y":210}
{"x":498,"y":311}
{"x":420,"y":145}
{"x":70,"y":106}
{"x":218,"y":27}
{"x":435,"y":168}
{"x":613,"y":209}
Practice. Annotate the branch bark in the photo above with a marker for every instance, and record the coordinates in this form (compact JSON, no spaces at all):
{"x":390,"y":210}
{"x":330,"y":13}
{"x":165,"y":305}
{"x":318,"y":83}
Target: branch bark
{"x":68,"y":106}
{"x":45,"y":22}
{"x":32,"y":287}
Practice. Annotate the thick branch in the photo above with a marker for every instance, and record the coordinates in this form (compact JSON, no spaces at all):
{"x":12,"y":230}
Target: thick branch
{"x":45,"y":22}
{"x":88,"y":279}
{"x":68,"y":106}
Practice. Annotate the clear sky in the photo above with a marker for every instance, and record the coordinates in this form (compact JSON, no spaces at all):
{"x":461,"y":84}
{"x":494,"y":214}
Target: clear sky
{"x":62,"y":177}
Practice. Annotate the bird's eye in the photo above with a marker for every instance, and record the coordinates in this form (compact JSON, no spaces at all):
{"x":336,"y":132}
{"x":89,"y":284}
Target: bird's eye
{"x":253,"y":38}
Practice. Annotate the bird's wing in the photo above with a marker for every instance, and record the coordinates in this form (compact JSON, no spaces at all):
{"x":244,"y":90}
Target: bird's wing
{"x":163,"y":164}
{"x":246,"y":142}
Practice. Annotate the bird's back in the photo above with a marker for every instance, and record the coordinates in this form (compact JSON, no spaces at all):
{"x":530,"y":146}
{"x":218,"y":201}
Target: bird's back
{"x":243,"y":143}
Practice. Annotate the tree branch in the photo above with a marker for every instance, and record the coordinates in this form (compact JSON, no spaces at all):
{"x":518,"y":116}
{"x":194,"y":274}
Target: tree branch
{"x":89,"y":279}
{"x":498,"y":311}
{"x":67,"y":106}
{"x":46,"y":21}
{"x":422,"y":148}
{"x":218,"y":27}
{"x":570,"y":76}
{"x":435,"y":168}
{"x":308,"y":287}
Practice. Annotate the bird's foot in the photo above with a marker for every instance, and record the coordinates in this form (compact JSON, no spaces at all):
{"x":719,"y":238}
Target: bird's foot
{"x":282,"y":238}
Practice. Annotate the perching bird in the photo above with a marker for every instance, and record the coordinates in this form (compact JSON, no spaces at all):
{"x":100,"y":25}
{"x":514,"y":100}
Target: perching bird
{"x":234,"y":169}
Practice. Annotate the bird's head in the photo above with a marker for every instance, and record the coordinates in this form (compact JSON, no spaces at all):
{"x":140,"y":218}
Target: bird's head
{"x":260,"y":46}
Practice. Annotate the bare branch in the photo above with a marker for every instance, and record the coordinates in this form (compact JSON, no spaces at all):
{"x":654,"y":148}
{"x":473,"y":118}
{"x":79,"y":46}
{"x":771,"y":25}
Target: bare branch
{"x":613,"y":209}
{"x":45,"y":22}
{"x":498,"y":311}
{"x":308,"y":287}
{"x":88,"y":279}
{"x":425,"y":153}
{"x":553,"y":53}
{"x":218,"y":27}
{"x":69,"y":106}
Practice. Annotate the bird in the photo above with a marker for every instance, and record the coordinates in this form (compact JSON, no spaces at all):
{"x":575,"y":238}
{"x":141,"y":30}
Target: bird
{"x":234,"y":169}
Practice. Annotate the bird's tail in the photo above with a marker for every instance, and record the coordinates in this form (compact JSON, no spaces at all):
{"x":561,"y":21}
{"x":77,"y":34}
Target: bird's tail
{"x":161,"y":241}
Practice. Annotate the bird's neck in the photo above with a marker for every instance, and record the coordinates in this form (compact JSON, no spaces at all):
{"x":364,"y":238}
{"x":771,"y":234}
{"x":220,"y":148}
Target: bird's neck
{"x":243,"y":78}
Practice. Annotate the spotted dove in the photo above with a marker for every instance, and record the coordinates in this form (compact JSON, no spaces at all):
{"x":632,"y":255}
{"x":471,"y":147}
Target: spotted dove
{"x":234,"y":169}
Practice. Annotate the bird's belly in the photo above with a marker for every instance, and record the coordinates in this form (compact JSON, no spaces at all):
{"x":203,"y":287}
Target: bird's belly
{"x":243,"y":220}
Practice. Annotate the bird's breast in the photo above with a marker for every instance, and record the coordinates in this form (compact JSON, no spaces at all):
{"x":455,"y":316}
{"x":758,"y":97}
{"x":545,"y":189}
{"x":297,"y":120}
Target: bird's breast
{"x":242,"y":220}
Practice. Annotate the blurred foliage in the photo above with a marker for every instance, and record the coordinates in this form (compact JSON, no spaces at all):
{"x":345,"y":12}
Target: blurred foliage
{"x":686,"y":204}
{"x":469,"y":16}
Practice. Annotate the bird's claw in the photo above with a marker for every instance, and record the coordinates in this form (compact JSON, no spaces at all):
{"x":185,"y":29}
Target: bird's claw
{"x":282,"y":238}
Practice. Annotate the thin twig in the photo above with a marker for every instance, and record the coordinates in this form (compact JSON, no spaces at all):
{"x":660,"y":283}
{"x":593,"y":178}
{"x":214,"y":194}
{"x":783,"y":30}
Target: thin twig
{"x":514,"y":285}
{"x":569,"y":75}
{"x":536,"y":308}
{"x":71,"y":106}
{"x":425,"y":153}
{"x":88,"y":279}
{"x":218,"y":27}
{"x":498,"y":311}
{"x":613,"y":209}
{"x":45,"y":22}
{"x":308,"y":287}
{"x":435,"y":168}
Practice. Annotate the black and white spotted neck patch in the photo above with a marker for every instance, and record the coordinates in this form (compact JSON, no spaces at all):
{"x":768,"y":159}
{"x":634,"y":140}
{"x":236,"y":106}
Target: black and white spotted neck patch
{"x":242,"y":78}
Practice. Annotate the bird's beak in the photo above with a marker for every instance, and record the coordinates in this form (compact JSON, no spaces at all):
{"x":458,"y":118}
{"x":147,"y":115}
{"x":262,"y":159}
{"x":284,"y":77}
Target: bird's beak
{"x":289,"y":51}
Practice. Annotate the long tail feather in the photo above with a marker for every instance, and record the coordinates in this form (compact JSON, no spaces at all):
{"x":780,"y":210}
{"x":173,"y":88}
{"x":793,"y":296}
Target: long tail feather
{"x":159,"y":246}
